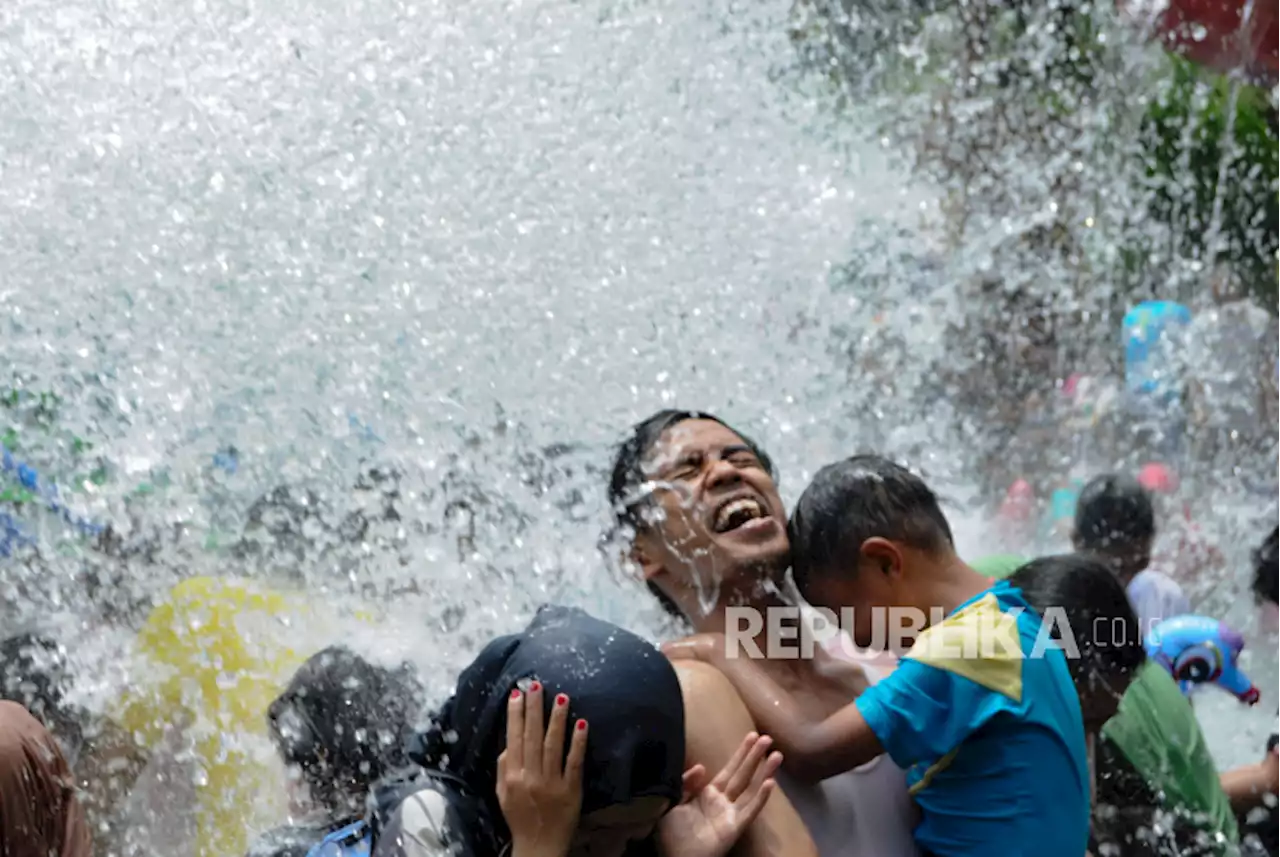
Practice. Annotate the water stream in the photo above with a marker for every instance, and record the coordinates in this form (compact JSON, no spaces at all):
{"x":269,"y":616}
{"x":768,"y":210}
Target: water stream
{"x":413,"y":267}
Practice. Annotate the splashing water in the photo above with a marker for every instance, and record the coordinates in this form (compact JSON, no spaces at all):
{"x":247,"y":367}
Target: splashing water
{"x":269,"y":229}
{"x":360,"y":294}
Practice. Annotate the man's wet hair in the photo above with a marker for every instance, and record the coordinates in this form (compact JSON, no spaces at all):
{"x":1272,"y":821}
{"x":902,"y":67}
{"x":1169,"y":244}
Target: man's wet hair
{"x":1114,"y":515}
{"x":859,"y":498}
{"x":344,"y":722}
{"x":1089,"y":596}
{"x":627,"y":498}
{"x":1266,"y":570}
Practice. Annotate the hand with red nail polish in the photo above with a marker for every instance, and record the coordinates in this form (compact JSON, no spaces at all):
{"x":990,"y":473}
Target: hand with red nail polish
{"x":539,"y":788}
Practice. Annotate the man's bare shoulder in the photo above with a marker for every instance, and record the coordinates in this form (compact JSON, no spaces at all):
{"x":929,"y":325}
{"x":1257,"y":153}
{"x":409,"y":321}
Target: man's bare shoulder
{"x":698,"y":680}
{"x":708,"y":691}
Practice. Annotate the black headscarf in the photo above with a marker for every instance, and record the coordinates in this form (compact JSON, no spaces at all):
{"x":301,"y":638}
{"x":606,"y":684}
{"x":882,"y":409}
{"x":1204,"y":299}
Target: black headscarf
{"x":621,"y":685}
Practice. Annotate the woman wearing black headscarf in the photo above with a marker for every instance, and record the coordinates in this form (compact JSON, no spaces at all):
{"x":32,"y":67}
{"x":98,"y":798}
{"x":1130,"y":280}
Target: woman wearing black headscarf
{"x":494,"y":782}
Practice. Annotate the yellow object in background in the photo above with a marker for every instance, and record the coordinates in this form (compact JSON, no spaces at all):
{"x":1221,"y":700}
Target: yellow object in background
{"x":214,"y":654}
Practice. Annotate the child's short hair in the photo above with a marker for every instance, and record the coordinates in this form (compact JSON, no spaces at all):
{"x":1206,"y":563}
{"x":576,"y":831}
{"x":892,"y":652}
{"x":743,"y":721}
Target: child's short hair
{"x":344,"y":722}
{"x":1266,"y":570}
{"x":1114,"y":515}
{"x":862,"y":497}
{"x":1104,"y":627}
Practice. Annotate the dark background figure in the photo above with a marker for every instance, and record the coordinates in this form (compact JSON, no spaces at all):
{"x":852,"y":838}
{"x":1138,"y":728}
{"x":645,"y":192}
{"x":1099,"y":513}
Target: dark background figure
{"x":40,"y":815}
{"x":1264,"y":823}
{"x":341,"y":725}
{"x":36,"y":673}
{"x":1266,"y":572}
{"x":1115,"y":523}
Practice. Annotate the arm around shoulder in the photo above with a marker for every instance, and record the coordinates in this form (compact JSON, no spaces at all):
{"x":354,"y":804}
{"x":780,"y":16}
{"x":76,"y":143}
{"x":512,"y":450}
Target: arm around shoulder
{"x":715,"y":723}
{"x":812,"y":750}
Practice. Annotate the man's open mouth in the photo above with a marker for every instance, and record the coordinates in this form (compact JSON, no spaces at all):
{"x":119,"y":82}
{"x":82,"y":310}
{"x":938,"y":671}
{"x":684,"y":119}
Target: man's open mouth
{"x":738,"y":513}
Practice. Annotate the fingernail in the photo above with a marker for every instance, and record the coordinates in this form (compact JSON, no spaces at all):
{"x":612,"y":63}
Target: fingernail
{"x":535,"y":687}
{"x":562,"y":700}
{"x":582,"y":724}
{"x":515,"y":693}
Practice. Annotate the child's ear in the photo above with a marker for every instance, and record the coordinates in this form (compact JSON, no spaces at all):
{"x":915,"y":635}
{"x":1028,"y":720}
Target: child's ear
{"x":883,"y":555}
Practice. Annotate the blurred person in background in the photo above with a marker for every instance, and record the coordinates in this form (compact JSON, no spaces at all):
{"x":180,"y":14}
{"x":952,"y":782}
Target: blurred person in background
{"x":1231,"y":368}
{"x":1115,"y":522}
{"x":1184,"y":550}
{"x":35,"y":673}
{"x":40,"y":815}
{"x":1266,"y":578}
{"x":1016,"y":520}
{"x":211,"y":657}
{"x":1155,"y":336}
{"x":340,"y":726}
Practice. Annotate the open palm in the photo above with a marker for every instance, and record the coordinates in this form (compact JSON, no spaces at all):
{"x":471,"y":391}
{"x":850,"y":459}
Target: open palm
{"x":714,"y":815}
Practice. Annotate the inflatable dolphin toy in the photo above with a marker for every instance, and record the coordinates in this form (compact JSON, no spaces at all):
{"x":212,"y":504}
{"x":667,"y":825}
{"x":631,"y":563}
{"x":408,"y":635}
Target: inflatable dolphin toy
{"x":1198,"y":650}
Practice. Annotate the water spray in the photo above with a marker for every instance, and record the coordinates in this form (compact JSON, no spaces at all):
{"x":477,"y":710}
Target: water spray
{"x":29,"y":478}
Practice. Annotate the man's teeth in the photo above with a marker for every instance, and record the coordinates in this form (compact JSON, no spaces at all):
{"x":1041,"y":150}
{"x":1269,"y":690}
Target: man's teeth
{"x":738,"y":513}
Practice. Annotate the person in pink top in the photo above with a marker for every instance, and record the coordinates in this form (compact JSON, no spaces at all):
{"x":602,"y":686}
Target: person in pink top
{"x":1016,"y":522}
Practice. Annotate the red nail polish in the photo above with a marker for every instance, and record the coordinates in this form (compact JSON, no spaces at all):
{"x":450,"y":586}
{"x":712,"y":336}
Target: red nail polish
{"x":515,"y":693}
{"x":562,"y":700}
{"x":535,"y":687}
{"x":582,"y":724}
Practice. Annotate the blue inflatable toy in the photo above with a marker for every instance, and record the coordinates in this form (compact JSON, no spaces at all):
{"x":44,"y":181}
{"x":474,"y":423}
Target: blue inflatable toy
{"x":1198,"y":650}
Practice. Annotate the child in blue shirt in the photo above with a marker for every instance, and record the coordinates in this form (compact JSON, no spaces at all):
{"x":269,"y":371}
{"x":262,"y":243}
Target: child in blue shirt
{"x":981,"y":711}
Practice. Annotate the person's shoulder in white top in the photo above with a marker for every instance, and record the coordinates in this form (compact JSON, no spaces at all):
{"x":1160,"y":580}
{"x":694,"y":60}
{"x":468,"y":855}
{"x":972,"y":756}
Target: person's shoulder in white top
{"x":1156,"y":596}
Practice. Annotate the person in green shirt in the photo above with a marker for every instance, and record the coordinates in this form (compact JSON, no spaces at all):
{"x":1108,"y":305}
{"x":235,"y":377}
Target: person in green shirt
{"x":1157,"y":790}
{"x":998,"y":566}
{"x":1157,"y":734}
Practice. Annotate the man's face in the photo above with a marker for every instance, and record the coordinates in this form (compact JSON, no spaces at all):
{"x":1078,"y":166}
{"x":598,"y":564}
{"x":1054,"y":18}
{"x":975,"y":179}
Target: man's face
{"x":715,"y":511}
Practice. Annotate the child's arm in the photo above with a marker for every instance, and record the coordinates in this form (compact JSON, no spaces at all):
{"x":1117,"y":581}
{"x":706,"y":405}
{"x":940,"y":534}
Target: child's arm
{"x":812,"y":750}
{"x":1248,"y":786}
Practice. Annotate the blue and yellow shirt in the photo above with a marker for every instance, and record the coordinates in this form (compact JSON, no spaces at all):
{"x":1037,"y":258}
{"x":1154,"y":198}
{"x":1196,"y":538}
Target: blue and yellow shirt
{"x":984,"y":717}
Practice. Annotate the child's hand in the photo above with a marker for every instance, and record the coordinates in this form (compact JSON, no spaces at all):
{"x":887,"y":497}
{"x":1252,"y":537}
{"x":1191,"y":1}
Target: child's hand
{"x":540,"y":796}
{"x":707,"y":648}
{"x":713,"y":816}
